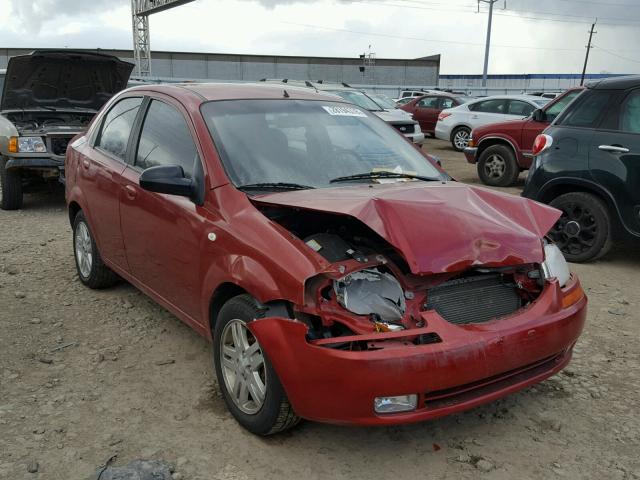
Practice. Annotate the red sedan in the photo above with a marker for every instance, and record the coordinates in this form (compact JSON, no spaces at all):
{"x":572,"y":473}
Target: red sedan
{"x":341,"y":275}
{"x":425,"y":110}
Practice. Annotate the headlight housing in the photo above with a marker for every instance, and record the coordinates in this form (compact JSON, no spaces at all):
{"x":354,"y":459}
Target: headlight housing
{"x":371,"y":291}
{"x":31,"y":145}
{"x":555,"y":265}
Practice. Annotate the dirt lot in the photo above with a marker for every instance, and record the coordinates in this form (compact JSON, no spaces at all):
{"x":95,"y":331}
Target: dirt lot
{"x":88,"y":374}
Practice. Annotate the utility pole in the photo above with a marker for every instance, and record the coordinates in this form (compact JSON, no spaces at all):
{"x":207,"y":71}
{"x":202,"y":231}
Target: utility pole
{"x":589,"y":47}
{"x":488,"y":44}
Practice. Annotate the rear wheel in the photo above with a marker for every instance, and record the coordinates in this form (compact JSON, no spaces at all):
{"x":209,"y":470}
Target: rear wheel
{"x":250,"y":386}
{"x":11,"y":184}
{"x":91,"y":270}
{"x":497,"y":166}
{"x":583,"y":233}
{"x":460,"y":138}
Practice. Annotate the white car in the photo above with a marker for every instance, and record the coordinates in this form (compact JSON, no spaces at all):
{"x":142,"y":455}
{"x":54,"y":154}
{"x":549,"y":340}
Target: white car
{"x":455,"y":124}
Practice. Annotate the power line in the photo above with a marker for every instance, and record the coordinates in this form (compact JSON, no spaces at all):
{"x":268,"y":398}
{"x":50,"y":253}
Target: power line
{"x":422,"y":39}
{"x":615,"y":54}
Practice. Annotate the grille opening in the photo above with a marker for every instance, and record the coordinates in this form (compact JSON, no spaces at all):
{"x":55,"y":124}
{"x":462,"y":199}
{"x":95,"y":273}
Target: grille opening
{"x":405,"y":127}
{"x":453,"y":396}
{"x":59,"y":145}
{"x":475,"y":299}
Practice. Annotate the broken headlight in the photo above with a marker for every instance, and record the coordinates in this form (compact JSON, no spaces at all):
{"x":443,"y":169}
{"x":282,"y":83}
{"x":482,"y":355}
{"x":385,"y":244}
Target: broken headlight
{"x":371,"y":292}
{"x":555,"y":265}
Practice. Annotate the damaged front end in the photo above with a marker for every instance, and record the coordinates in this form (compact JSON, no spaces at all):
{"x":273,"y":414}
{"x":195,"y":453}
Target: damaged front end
{"x":378,"y":331}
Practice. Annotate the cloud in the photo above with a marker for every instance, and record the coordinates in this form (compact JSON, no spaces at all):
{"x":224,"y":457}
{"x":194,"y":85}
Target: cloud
{"x":31,"y":14}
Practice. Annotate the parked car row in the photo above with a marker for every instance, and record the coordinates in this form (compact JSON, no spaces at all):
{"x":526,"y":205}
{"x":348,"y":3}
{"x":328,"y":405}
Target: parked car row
{"x":316,"y":247}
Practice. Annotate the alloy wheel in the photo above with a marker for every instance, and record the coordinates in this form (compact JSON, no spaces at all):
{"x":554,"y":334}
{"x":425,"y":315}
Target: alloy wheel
{"x":84,"y":250}
{"x":243,"y":367}
{"x":461,"y":139}
{"x":495,"y":166}
{"x":576,"y":230}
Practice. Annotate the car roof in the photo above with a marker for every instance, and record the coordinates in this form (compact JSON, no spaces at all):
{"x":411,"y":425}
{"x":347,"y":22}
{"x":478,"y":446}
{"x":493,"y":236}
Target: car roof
{"x":238,"y":91}
{"x":528,"y":98}
{"x":615,"y":83}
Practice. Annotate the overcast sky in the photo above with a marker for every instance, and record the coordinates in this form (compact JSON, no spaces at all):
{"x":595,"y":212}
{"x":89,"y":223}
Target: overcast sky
{"x":529,"y":36}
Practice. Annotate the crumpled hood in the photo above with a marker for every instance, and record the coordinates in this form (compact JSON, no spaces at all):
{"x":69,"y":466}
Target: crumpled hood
{"x":438,"y":227}
{"x":63,"y":78}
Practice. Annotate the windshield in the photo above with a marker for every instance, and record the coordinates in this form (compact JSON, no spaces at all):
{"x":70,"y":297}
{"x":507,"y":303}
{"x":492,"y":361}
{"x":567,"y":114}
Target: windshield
{"x":308,"y":143}
{"x":357,"y":98}
{"x":384,"y":101}
{"x":541,"y":101}
{"x":554,"y":110}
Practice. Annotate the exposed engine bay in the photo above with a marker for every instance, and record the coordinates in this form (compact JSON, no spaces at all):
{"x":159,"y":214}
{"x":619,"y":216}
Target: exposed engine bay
{"x":371,"y":289}
{"x":44,"y":121}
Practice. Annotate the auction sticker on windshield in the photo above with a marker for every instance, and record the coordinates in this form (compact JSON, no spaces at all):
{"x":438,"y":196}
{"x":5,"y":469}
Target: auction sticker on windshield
{"x":343,"y":111}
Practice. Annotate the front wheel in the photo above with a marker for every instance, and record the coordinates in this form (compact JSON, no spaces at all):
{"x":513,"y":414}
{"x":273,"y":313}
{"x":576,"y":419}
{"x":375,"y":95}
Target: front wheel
{"x":583,"y":232}
{"x":11,"y":184}
{"x":250,"y":386}
{"x":497,"y":166}
{"x":460,"y":138}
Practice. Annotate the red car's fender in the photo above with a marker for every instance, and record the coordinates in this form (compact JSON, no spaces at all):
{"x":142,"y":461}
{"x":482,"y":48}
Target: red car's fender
{"x":499,"y":138}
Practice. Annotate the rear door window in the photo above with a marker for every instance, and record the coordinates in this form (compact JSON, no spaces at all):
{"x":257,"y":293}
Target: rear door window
{"x":446,"y":103}
{"x":117,"y":125}
{"x":165,"y":139}
{"x":588,"y":110}
{"x":489,"y":106}
{"x":428,"y":102}
{"x":630,"y":113}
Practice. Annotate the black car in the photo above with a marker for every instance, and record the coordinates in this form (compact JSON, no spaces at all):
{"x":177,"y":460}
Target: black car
{"x":587,"y":164}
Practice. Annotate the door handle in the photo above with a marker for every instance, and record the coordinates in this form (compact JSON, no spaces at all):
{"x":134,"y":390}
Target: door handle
{"x":86,"y":163}
{"x":130,"y":191}
{"x":475,"y":117}
{"x":613,"y":149}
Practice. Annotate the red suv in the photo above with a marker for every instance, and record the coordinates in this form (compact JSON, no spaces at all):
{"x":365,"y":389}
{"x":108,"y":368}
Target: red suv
{"x":341,"y":275}
{"x":425,"y":110}
{"x":502,"y":150}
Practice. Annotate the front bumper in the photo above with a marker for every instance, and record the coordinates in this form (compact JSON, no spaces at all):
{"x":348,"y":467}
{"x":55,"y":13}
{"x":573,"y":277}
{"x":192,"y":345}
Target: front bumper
{"x":34,"y":162}
{"x":417,"y":138}
{"x":470,"y":154}
{"x":472,"y":365}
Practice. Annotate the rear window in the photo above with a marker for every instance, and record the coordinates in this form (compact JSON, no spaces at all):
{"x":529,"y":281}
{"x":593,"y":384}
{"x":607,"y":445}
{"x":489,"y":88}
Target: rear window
{"x":587,"y":110}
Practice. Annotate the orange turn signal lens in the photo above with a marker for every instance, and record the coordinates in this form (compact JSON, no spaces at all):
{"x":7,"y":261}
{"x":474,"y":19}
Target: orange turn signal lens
{"x":572,"y":297}
{"x":13,"y":144}
{"x":471,"y":143}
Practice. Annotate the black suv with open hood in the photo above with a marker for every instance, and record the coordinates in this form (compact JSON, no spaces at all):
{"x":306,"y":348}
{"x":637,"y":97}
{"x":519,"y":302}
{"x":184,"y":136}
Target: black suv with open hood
{"x":49,"y":97}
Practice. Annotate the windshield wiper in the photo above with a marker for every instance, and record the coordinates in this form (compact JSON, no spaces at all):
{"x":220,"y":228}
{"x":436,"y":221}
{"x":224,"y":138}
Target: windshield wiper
{"x":383,"y":174}
{"x":274,"y":186}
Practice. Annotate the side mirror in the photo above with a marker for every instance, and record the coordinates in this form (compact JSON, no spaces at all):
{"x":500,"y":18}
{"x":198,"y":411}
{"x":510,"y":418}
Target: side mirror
{"x":538,"y":115}
{"x":167,"y":179}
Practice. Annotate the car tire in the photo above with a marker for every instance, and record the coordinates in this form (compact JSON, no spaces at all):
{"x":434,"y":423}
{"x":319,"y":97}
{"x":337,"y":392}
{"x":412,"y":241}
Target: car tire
{"x":262,"y":416}
{"x":460,"y":138}
{"x":11,"y":183}
{"x":584,"y":232}
{"x":497,"y":166}
{"x":92,"y":271}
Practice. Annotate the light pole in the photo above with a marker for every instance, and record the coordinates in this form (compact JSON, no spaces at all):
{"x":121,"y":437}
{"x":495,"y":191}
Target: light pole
{"x":488,"y":44}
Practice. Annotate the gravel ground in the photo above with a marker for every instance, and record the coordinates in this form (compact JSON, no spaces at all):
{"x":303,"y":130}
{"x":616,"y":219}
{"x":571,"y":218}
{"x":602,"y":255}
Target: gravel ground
{"x":86,"y":375}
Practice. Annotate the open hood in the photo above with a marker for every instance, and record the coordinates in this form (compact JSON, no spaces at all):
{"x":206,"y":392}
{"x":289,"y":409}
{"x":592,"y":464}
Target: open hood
{"x":436,"y":227}
{"x":62,"y":79}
